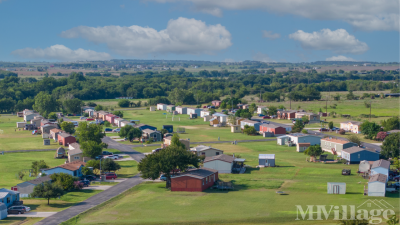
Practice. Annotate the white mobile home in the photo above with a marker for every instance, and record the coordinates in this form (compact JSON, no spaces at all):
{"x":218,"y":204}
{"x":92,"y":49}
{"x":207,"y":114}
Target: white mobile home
{"x":377,"y":185}
{"x":161,"y":106}
{"x":380,"y":167}
{"x":222,"y":163}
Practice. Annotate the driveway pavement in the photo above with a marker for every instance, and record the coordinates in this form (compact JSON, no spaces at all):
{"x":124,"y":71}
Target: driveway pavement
{"x":98,"y":188}
{"x":33,"y":214}
{"x":127,"y":149}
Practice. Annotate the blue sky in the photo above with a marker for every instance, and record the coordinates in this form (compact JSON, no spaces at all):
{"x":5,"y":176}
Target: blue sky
{"x":218,"y":30}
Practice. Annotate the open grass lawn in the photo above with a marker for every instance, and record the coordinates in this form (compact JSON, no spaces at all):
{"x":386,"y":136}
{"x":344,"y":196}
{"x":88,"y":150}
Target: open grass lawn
{"x":253,"y":201}
{"x":20,"y":220}
{"x":13,"y":139}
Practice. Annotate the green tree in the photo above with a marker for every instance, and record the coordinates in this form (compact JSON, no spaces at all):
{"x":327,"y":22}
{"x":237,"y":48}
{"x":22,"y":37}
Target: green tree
{"x":304,"y":131}
{"x":47,"y":190}
{"x":350,"y":96}
{"x":130,"y":132}
{"x":272,"y":110}
{"x":313,"y":151}
{"x":163,"y":132}
{"x":369,"y":129}
{"x":223,"y":105}
{"x":37,"y":166}
{"x":91,"y":148}
{"x":355,"y":139}
{"x":123,"y":103}
{"x":65,"y":181}
{"x":52,"y":116}
{"x":119,"y":113}
{"x":163,"y":162}
{"x":44,"y":104}
{"x":297,"y":127}
{"x":391,"y":124}
{"x":68,"y":127}
{"x":73,"y":105}
{"x":109,"y":164}
{"x":212,"y":111}
{"x":89,"y":132}
{"x":249,"y":130}
{"x":95,"y":164}
{"x":176,"y":142}
{"x":393,"y":220}
{"x":98,"y":107}
{"x":91,"y":104}
{"x":305,"y":119}
{"x":252,"y":108}
{"x":232,"y":119}
{"x":330,"y":125}
{"x":396,"y":163}
{"x":390,"y":146}
{"x":86,"y":171}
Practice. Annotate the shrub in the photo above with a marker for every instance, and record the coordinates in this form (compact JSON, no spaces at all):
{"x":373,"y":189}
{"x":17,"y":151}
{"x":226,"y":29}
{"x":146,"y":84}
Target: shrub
{"x":342,"y":132}
{"x":381,"y":136}
{"x":304,"y":131}
{"x":78,"y":185}
{"x":123,"y":103}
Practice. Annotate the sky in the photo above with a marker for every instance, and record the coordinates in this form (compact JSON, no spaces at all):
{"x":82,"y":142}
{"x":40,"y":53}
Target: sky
{"x":208,"y":30}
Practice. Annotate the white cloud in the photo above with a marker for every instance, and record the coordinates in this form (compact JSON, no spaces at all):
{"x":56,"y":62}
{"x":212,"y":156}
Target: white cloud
{"x":339,"y":41}
{"x":270,"y":35}
{"x":182,"y":36}
{"x":362,"y":14}
{"x":339,"y":58}
{"x":62,"y":53}
{"x":262,"y":57}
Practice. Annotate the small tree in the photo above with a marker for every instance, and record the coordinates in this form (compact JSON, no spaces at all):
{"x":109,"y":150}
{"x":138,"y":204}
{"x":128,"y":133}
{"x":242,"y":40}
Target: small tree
{"x":304,"y":131}
{"x":65,"y":181}
{"x":86,"y":171}
{"x":342,"y":132}
{"x":297,"y":127}
{"x":176,"y":142}
{"x":21,"y":175}
{"x":393,"y":220}
{"x":163,"y":132}
{"x":47,"y":190}
{"x":272,"y":110}
{"x":381,"y":136}
{"x":166,"y":162}
{"x":91,"y":104}
{"x":330,"y":125}
{"x":98,"y":107}
{"x":123,"y":103}
{"x":313,"y":151}
{"x":353,"y":138}
{"x":109,"y":164}
{"x":107,"y":124}
{"x":232,"y":119}
{"x":249,"y":130}
{"x":252,"y":108}
{"x":52,"y":116}
{"x":130,"y":133}
{"x":212,"y":111}
{"x":119,"y":113}
{"x":305,"y":119}
{"x":95,"y":164}
{"x":396,"y":163}
{"x":68,"y":127}
{"x":390,"y":146}
{"x":37,"y":166}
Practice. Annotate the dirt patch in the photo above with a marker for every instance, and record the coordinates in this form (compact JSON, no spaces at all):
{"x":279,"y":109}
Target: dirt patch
{"x":190,"y":127}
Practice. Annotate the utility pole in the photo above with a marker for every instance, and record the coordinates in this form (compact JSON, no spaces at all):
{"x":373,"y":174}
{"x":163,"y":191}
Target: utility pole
{"x":370,"y":107}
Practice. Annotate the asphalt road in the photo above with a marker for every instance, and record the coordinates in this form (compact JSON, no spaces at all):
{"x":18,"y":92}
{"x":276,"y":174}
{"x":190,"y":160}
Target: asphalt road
{"x":91,"y":202}
{"x":127,"y":149}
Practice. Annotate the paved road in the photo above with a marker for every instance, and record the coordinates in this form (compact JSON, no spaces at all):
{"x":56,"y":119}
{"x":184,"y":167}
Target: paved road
{"x":91,"y":202}
{"x":33,"y":214}
{"x":127,"y":149}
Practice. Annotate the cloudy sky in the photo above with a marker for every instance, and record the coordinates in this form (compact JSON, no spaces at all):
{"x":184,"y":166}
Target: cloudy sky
{"x":212,"y":30}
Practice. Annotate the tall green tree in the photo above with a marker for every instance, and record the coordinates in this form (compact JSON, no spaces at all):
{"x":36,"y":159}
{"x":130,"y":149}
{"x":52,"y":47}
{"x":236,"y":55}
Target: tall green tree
{"x":91,"y":148}
{"x":390,"y":146}
{"x":98,"y":107}
{"x":37,"y":166}
{"x":73,"y":105}
{"x":89,"y":132}
{"x":47,"y":190}
{"x":45,"y":103}
{"x":66,"y":181}
{"x":369,"y":129}
{"x":252,"y":108}
{"x":109,"y":165}
{"x":272,"y":110}
{"x":52,"y":116}
{"x":130,"y":132}
{"x":297,"y":127}
{"x":68,"y":127}
{"x":355,"y":139}
{"x":391,"y":124}
{"x":95,"y":164}
{"x":330,"y":125}
{"x":163,"y":162}
{"x":176,"y":142}
{"x":123,"y":103}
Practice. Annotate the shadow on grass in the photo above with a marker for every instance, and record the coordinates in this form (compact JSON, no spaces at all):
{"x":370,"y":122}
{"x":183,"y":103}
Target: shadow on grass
{"x":52,"y":205}
{"x":251,"y":169}
{"x":13,"y":219}
{"x":353,"y":193}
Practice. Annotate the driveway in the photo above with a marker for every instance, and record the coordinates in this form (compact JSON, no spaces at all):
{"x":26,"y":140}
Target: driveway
{"x":127,"y":149}
{"x":33,"y":214}
{"x":98,"y":188}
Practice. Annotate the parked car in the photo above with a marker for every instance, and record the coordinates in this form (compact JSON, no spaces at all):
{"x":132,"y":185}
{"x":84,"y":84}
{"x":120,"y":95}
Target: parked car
{"x":111,"y":176}
{"x":75,"y":123}
{"x":156,"y":150}
{"x":224,"y":110}
{"x":335,"y":129}
{"x":89,"y":177}
{"x":261,"y":115}
{"x":16,"y":210}
{"x":204,"y":107}
{"x":111,"y":157}
{"x":89,"y":119}
{"x":27,"y":209}
{"x":346,"y":172}
{"x":86,"y":183}
{"x":322,"y":129}
{"x":163,"y":177}
{"x":82,"y":118}
{"x":118,"y":156}
{"x":107,"y":153}
{"x":108,"y":129}
{"x":116,"y":130}
{"x":266,"y":117}
{"x":98,"y":157}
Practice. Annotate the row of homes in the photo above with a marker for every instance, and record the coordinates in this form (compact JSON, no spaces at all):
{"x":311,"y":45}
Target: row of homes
{"x":378,"y":172}
{"x":180,"y":109}
{"x":296,"y":114}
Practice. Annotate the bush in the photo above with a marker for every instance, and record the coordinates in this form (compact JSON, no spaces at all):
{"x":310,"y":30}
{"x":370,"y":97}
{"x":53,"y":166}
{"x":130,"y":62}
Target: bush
{"x":78,"y":185}
{"x":107,"y":124}
{"x":342,"y":132}
{"x":123,"y":103}
{"x":304,"y":131}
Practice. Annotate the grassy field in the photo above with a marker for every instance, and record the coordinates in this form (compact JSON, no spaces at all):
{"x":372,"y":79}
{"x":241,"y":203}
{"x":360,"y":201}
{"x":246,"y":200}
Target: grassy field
{"x":253,"y":201}
{"x":20,"y":220}
{"x":13,"y":139}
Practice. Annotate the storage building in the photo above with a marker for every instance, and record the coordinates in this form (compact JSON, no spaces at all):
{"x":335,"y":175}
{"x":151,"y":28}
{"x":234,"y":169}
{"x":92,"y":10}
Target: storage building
{"x":222,"y":163}
{"x":161,"y":106}
{"x":301,"y":147}
{"x":336,"y":188}
{"x":266,"y":160}
{"x":364,"y":166}
{"x":181,"y":110}
{"x":195,"y":180}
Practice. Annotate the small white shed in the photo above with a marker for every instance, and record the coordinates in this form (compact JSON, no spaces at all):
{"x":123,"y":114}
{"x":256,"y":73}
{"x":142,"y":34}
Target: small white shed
{"x":152,"y":108}
{"x":265,"y":160}
{"x":377,"y":185}
{"x":21,"y":124}
{"x":364,"y":166}
{"x":336,"y":188}
{"x":3,"y":211}
{"x":222,"y":163}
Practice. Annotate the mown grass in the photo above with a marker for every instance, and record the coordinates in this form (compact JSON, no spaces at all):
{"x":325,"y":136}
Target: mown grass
{"x":253,"y":201}
{"x":12,"y":138}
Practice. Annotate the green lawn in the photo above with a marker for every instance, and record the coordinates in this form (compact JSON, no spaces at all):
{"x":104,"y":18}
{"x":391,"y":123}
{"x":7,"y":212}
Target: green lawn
{"x":253,"y":201}
{"x":13,"y":139}
{"x":20,"y":220}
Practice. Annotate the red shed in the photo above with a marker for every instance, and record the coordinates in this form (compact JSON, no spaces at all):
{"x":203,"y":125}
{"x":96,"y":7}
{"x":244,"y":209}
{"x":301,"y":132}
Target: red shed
{"x":66,"y":139}
{"x":272,"y":128}
{"x":194,"y":180}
